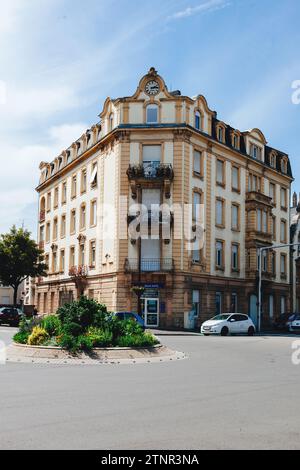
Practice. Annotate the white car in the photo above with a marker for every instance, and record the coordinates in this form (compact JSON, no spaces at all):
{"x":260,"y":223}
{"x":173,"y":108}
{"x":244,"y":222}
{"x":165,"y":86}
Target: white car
{"x":228,"y":323}
{"x":294,"y":325}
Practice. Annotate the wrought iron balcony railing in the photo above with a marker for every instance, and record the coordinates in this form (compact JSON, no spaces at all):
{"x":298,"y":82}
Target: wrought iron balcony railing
{"x":151,"y":170}
{"x":149,"y":264}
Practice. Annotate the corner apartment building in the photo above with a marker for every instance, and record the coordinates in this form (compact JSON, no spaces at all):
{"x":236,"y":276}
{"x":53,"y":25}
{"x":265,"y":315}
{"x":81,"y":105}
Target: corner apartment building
{"x":156,"y":147}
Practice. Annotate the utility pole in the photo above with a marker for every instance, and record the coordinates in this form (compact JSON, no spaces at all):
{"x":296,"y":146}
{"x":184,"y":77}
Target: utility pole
{"x":261,"y":250}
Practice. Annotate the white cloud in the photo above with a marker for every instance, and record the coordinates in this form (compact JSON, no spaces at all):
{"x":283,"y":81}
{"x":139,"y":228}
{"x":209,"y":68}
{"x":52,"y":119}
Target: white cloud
{"x":21,"y":173}
{"x":205,"y":7}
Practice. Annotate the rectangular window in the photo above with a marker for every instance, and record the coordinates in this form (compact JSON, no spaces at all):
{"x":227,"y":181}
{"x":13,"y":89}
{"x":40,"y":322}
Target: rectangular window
{"x":220,"y":212}
{"x":82,"y":216}
{"x":234,"y":303}
{"x":62,"y":261}
{"x":272,"y":192}
{"x":151,"y":159}
{"x":283,"y":198}
{"x":93,"y":254}
{"x":55,"y":229}
{"x":218,"y":303}
{"x":74,"y":186}
{"x":220,"y":172}
{"x":49,"y":202}
{"x":283,"y":265}
{"x":282,"y":305}
{"x":152,"y":114}
{"x":235,"y":257}
{"x":63,"y":226}
{"x":196,"y":302}
{"x":219,"y":255}
{"x":82,"y":254}
{"x":94,"y":173}
{"x":283,"y":225}
{"x":56,"y":197}
{"x":72,"y":257}
{"x":265,"y":222}
{"x":235,"y":178}
{"x":64,"y":192}
{"x":274,"y":227}
{"x":259,"y":220}
{"x":235,"y":217}
{"x":196,"y":205}
{"x":197,"y":163}
{"x":73,"y":221}
{"x":54,"y":261}
{"x":83,"y":181}
{"x":93,"y":215}
{"x":48,"y":232}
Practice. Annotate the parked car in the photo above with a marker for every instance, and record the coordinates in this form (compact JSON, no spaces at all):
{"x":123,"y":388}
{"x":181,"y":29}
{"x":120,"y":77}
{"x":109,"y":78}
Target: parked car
{"x":228,"y":323}
{"x":294,"y":324}
{"x":283,"y":321}
{"x":131,"y":316}
{"x":10,"y":316}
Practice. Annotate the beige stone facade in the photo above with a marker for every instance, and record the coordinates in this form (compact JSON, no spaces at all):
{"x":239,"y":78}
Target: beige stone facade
{"x":160,"y":147}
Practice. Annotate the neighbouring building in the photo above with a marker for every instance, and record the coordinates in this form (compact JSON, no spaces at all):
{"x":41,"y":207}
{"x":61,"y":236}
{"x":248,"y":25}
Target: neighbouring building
{"x":29,"y":293}
{"x":295,"y":253}
{"x":158,"y":146}
{"x":7,"y":295}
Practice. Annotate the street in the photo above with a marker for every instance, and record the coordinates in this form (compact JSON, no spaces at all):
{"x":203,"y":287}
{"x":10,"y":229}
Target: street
{"x":232,"y":393}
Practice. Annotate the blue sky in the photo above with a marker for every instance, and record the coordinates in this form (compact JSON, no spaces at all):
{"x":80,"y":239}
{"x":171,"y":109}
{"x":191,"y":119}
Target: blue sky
{"x":60,"y":59}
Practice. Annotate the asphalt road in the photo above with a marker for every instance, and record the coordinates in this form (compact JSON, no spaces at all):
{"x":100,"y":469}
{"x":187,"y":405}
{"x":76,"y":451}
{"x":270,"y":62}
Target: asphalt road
{"x":232,"y":393}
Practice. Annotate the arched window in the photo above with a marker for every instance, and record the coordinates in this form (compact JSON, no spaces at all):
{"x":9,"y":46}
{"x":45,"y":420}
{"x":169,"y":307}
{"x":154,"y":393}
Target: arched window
{"x":152,"y":114}
{"x":198,"y":120}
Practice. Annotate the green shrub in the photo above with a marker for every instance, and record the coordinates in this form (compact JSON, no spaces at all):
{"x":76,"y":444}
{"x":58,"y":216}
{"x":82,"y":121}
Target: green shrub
{"x":26,"y":325}
{"x":68,"y":342}
{"x":137,"y":341}
{"x":38,"y":336}
{"x":85,"y":343}
{"x":52,"y":324}
{"x":85,"y":312}
{"x":100,"y":338}
{"x":72,"y":328}
{"x":21,"y":337}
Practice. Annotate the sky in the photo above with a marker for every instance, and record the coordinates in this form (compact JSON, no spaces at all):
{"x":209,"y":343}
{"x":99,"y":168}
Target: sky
{"x":60,"y":59}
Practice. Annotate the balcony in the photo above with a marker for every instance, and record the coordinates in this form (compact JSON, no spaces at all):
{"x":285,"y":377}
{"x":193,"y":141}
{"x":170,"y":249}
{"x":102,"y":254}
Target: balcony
{"x":153,"y":217}
{"x":150,"y":170}
{"x":149,"y":265}
{"x":153,"y":174}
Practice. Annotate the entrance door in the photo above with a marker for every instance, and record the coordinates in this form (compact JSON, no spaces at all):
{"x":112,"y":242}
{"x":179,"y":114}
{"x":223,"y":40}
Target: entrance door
{"x":151,"y":312}
{"x":254,"y":309}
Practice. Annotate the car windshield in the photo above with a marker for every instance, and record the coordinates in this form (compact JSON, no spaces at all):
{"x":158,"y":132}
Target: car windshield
{"x":221,"y":317}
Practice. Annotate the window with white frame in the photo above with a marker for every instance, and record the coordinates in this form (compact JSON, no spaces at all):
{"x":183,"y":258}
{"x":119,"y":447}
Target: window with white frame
{"x":219,"y":254}
{"x":152,"y":114}
{"x":235,"y":257}
{"x":220,"y":212}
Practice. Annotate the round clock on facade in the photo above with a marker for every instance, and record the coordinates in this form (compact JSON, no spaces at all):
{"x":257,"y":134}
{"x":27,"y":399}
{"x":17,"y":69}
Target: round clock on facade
{"x":152,"y":87}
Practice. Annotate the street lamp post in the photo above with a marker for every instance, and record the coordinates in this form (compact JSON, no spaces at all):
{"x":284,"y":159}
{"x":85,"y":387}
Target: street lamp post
{"x":261,"y":250}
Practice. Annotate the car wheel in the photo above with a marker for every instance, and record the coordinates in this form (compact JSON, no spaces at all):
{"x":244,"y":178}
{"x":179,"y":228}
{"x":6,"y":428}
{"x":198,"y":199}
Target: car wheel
{"x":251,"y":331}
{"x":224,"y":331}
{"x":205,"y":334}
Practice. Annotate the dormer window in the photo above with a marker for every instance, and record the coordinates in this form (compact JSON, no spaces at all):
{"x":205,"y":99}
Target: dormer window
{"x":235,"y":141}
{"x":273,"y":160}
{"x":220,"y":134}
{"x":198,"y":120}
{"x":152,"y":114}
{"x":255,"y":152}
{"x":284,"y":165}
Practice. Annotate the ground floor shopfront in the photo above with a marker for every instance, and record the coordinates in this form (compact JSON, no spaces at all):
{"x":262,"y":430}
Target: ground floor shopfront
{"x":170,"y":300}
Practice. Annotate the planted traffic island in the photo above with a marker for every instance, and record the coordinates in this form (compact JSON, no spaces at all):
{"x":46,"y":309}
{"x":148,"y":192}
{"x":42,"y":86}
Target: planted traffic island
{"x":85,"y":332}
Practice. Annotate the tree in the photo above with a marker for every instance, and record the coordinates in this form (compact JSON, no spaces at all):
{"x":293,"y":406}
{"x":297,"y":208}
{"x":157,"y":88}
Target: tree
{"x":20,"y":258}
